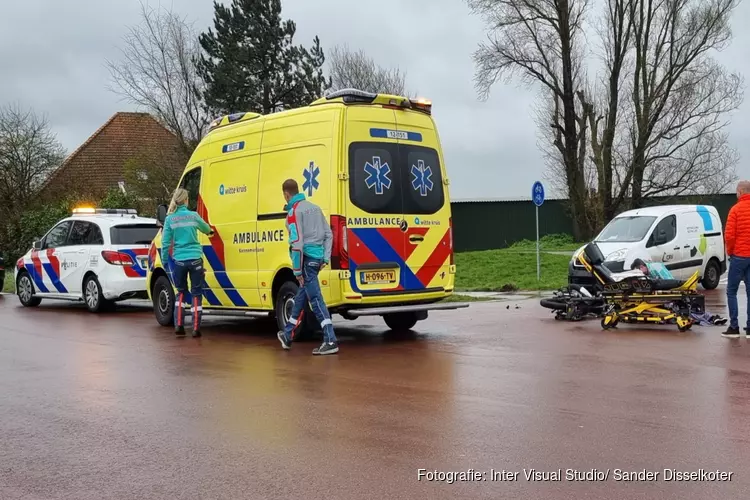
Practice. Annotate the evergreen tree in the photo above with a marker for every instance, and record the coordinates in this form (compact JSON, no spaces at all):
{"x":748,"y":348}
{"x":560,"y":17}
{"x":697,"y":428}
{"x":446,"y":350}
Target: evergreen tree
{"x":250,"y":62}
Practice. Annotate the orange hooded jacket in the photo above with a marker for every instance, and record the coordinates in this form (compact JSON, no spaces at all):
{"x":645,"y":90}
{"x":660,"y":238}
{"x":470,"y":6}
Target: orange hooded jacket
{"x":737,"y":231}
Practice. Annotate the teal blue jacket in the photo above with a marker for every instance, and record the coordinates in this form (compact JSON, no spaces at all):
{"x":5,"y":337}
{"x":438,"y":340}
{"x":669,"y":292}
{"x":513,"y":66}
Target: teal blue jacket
{"x":309,"y":232}
{"x":181,"y":227}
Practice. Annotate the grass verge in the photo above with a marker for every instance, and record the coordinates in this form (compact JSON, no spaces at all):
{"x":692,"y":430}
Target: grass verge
{"x":457,"y":297}
{"x":8,"y":284}
{"x":509,"y":270}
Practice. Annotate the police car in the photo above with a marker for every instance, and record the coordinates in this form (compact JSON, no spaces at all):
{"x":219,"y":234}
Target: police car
{"x":97,"y":256}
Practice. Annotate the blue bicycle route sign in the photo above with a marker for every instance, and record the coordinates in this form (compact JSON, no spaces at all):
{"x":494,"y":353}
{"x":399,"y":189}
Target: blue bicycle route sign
{"x":537,"y":193}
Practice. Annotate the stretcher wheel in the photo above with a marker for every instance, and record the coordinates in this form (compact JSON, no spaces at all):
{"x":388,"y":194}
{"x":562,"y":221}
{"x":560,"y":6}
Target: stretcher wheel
{"x":609,"y":322}
{"x":684,"y":325}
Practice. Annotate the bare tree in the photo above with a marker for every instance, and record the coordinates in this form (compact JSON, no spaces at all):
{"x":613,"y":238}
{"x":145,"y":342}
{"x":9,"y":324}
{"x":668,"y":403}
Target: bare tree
{"x":157,"y":71}
{"x":357,"y":70}
{"x":29,"y":151}
{"x":539,"y":40}
{"x":681,"y":97}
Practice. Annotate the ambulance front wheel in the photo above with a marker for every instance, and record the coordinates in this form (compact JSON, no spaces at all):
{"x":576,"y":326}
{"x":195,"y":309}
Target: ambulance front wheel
{"x":163,"y":298}
{"x":25,"y":289}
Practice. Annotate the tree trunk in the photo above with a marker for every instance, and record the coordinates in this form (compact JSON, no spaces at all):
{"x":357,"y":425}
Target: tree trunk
{"x":575,"y":178}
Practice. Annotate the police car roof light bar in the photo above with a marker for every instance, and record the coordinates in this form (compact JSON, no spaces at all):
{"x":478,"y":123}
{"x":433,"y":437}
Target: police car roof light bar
{"x":109,"y":211}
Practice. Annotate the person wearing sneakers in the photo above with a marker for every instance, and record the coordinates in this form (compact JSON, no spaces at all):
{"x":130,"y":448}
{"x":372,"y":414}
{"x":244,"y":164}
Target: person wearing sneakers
{"x":310,"y":242}
{"x":737,"y":244}
{"x":180,"y":231}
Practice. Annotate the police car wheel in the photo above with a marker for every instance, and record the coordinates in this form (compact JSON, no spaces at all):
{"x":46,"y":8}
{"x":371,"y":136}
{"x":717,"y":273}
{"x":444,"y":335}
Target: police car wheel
{"x":25,"y":289}
{"x":163,"y":298}
{"x":93,"y":296}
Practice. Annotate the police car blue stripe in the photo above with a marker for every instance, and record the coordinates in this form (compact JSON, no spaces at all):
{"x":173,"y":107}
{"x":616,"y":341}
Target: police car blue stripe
{"x":37,"y":279}
{"x":137,"y":267}
{"x":54,"y":278}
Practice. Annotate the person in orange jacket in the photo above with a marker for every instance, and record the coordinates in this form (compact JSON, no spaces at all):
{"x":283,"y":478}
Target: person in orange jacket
{"x":737,"y":245}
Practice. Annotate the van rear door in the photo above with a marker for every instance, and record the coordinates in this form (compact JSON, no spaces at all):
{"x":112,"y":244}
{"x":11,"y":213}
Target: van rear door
{"x":426,"y":206}
{"x":394,"y":213}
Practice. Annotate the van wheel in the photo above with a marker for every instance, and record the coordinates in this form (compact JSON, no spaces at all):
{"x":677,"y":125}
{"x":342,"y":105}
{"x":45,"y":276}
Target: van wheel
{"x":712,"y":275}
{"x":163,"y":299}
{"x":401,"y":321}
{"x":25,"y":289}
{"x":283,"y":310}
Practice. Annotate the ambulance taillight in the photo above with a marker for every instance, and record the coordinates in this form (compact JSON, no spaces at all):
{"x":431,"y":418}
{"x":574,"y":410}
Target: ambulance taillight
{"x":340,"y":247}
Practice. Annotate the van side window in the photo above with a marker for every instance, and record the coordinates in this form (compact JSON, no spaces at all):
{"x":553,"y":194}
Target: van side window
{"x":664,"y":232}
{"x":192,"y":183}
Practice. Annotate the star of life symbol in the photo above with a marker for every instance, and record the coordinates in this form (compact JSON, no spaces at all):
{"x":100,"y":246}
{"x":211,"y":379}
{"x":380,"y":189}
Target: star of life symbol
{"x":422,"y":181}
{"x":311,"y":178}
{"x":377,"y":175}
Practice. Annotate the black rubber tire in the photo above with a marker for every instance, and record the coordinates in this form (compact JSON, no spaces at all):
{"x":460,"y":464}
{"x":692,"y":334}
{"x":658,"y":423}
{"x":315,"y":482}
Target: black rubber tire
{"x":282,"y":308}
{"x":29,"y":301}
{"x":399,"y":322}
{"x":93,"y":297}
{"x":712,"y":275}
{"x":163,"y":299}
{"x":555,"y":305}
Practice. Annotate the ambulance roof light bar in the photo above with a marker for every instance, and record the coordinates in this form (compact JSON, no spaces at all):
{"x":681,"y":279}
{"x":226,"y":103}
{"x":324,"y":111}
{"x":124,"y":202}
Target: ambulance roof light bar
{"x":352,"y":95}
{"x":356,"y":96}
{"x":107,"y":211}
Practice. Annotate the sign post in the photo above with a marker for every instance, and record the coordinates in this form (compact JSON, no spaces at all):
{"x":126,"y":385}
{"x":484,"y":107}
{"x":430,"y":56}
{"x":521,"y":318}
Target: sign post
{"x":537,"y":196}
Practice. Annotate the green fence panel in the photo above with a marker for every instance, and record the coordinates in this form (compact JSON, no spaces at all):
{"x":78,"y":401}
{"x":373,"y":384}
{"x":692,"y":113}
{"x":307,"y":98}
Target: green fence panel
{"x":487,"y":225}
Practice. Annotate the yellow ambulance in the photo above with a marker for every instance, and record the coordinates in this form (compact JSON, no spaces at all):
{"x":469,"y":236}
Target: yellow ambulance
{"x":373,"y":164}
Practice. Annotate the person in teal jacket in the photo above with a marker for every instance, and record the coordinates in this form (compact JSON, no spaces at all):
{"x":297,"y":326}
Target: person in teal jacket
{"x":180,"y":235}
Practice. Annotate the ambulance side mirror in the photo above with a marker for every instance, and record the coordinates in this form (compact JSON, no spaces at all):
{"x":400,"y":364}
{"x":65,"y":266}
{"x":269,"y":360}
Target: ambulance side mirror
{"x":161,"y":214}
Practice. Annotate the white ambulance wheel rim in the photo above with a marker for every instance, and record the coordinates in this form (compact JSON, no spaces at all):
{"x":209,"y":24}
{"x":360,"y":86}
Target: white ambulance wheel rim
{"x":92,"y":293}
{"x":24,"y":288}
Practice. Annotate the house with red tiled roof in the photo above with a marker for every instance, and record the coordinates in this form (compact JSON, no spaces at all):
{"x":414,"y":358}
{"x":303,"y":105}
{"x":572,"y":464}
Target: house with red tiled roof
{"x":99,"y":164}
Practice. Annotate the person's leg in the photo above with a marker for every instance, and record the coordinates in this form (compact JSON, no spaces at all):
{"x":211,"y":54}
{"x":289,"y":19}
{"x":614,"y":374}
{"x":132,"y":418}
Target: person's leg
{"x":295,"y":319}
{"x":745,"y":267}
{"x":734,"y":277}
{"x":179,"y":274}
{"x":318,"y":306}
{"x":196,"y":271}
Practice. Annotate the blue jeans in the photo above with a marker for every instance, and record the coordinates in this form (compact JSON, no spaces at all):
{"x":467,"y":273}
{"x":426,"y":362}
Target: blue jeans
{"x":310,"y":291}
{"x":195,"y":270}
{"x":739,"y":270}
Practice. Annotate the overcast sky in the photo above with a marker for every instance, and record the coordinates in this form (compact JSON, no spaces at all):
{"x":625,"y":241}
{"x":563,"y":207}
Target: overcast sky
{"x":52,"y":55}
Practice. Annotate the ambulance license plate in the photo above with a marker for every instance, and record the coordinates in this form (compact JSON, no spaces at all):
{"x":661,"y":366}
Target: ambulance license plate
{"x":378,"y":277}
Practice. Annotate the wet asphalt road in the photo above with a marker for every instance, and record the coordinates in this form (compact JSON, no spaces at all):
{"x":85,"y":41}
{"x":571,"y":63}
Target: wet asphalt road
{"x":114,"y":407}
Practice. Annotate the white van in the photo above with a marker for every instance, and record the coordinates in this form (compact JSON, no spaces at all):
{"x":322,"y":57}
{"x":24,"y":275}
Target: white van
{"x":685,"y":238}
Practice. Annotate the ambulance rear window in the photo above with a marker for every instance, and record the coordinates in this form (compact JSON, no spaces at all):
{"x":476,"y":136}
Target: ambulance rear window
{"x":388,"y":178}
{"x":133,"y":234}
